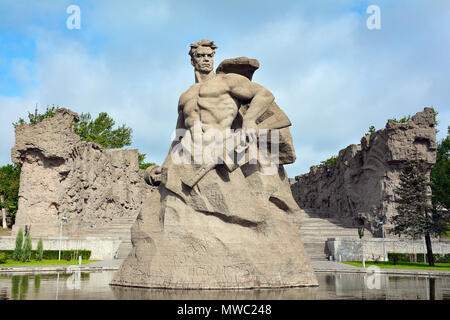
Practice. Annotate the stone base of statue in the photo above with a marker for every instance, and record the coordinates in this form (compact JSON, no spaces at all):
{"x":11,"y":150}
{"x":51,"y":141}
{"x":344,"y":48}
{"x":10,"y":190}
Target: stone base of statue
{"x":232,"y":230}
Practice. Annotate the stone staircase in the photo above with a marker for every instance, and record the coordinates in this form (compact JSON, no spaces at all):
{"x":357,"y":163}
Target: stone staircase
{"x":119,"y":228}
{"x":315,"y":231}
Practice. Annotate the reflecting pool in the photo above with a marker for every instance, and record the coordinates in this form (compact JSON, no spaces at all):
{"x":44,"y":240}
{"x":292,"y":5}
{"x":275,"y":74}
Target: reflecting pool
{"x":95,"y":285}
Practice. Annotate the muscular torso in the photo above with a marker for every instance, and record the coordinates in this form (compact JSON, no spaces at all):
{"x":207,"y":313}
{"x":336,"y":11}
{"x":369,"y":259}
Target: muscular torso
{"x":211,"y":103}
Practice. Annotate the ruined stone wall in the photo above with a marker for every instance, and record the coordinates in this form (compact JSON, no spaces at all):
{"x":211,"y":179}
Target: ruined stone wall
{"x":63,"y":176}
{"x":360,"y":188}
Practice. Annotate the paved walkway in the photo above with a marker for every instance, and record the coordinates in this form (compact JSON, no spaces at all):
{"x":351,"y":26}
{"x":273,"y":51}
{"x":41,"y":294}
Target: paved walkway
{"x":87,"y":267}
{"x":332,"y":266}
{"x":106,"y":264}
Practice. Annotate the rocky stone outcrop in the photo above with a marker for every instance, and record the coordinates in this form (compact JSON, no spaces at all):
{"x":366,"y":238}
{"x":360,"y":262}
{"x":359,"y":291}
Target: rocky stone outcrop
{"x":63,"y":176}
{"x":360,"y":187}
{"x":231,"y":231}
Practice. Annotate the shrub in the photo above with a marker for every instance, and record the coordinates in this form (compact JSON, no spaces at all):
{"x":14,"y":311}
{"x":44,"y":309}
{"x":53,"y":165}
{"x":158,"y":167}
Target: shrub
{"x":53,"y":254}
{"x":26,"y":253}
{"x":8,"y":253}
{"x":3,"y":258}
{"x":395,"y":259}
{"x":371,"y":130}
{"x":18,"y":250}
{"x":39,"y":250}
{"x":332,"y":160}
{"x":406,"y":257}
{"x":403,"y":120}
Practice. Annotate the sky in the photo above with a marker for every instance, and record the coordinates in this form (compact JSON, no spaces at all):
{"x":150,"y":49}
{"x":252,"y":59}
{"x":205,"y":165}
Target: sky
{"x":332,"y":75}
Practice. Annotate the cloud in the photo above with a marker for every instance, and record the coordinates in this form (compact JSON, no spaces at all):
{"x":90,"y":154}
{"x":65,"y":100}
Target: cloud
{"x":332,"y":76}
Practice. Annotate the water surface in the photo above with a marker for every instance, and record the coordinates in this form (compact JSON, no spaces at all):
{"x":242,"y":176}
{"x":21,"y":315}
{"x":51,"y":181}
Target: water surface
{"x":95,"y":285}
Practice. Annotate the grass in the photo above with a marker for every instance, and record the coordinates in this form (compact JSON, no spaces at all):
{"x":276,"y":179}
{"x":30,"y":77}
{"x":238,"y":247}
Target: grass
{"x":10,"y":263}
{"x":402,"y":265}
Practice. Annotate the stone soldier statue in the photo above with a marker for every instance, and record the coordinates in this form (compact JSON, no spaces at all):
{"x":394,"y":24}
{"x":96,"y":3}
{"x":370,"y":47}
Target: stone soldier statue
{"x":220,"y":224}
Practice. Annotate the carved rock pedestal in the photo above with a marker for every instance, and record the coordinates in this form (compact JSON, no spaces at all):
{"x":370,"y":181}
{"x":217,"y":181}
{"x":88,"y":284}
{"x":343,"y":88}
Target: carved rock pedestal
{"x":231,"y":231}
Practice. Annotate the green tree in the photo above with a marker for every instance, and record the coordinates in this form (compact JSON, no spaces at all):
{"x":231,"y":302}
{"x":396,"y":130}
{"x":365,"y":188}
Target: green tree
{"x":17,"y":255}
{"x":371,"y":130}
{"x":23,"y":287}
{"x":144,"y":165}
{"x":100,"y":130}
{"x":40,"y":250}
{"x":331,"y":160}
{"x":15,"y":285}
{"x":9,"y":188}
{"x":27,"y":248}
{"x":416,"y":217}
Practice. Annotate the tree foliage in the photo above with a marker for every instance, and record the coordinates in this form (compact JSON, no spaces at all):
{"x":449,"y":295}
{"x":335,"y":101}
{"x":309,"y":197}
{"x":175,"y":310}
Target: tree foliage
{"x":9,"y":187}
{"x":144,"y":165}
{"x":100,"y":130}
{"x":416,"y":216}
{"x":402,"y":120}
{"x":27,"y":249}
{"x":17,"y":255}
{"x":332,"y":160}
{"x":371,"y":130}
{"x":40,"y":250}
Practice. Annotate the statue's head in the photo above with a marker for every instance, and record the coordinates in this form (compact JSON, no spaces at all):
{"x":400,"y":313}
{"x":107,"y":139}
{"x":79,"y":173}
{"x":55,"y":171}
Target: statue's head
{"x":202,"y":55}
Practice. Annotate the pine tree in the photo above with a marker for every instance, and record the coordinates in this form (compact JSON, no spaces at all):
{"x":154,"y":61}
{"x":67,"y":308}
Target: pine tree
{"x":40,"y":250}
{"x":17,"y":255}
{"x":416,"y":217}
{"x":26,"y":254}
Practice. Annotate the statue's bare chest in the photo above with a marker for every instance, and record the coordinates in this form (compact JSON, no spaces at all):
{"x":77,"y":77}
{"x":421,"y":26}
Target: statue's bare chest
{"x":209,"y":94}
{"x":213,"y":88}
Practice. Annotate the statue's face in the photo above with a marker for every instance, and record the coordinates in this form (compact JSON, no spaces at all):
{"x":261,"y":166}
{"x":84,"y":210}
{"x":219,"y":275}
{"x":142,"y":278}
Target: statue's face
{"x":203,"y":59}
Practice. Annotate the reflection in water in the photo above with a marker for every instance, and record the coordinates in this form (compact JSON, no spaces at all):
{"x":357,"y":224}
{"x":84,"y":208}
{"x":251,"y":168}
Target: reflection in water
{"x":4,"y":294}
{"x":23,"y":287}
{"x":95,"y":285}
{"x":37,"y":283}
{"x":124,"y":293}
{"x":432,"y":289}
{"x":15,"y":281}
{"x":19,"y":287}
{"x":57,"y":285}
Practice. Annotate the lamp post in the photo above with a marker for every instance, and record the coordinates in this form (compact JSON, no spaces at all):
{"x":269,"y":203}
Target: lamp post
{"x":63,"y":218}
{"x":384,"y":245}
{"x":361,"y":235}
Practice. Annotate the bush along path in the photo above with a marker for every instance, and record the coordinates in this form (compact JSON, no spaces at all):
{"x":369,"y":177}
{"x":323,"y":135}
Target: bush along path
{"x":23,"y":255}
